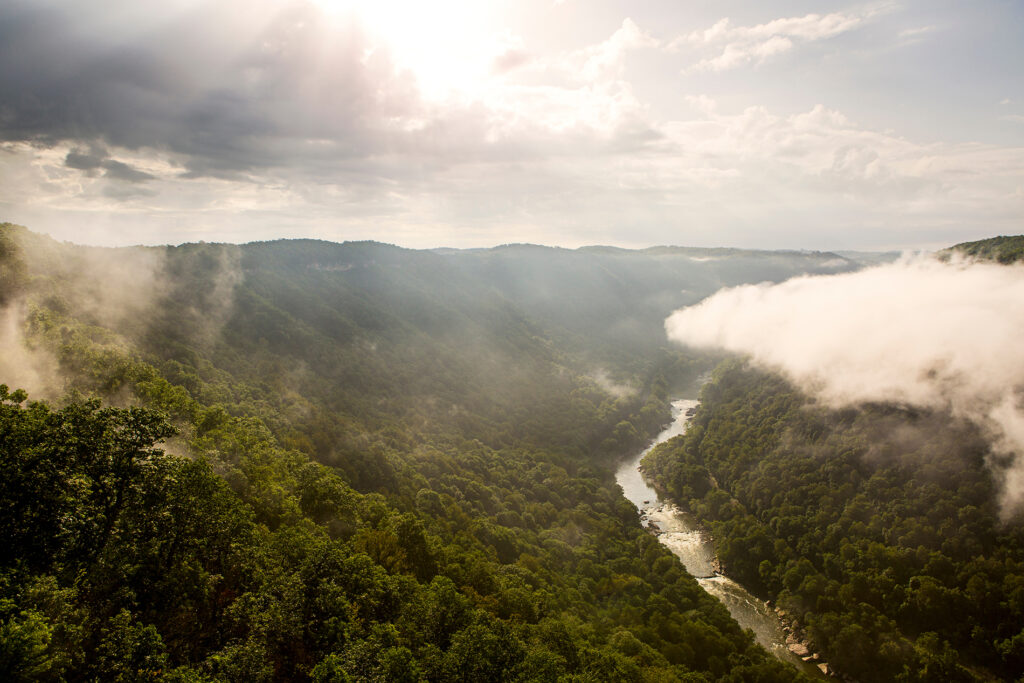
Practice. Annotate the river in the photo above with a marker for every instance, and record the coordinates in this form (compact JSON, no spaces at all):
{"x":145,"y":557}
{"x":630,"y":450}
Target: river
{"x":682,"y":535}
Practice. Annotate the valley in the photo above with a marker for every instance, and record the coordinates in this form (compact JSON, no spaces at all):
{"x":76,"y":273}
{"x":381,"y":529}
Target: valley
{"x":681,"y":534}
{"x":299,"y":460}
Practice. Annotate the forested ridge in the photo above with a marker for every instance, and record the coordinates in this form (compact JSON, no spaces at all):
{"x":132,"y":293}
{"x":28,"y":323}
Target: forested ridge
{"x":1004,"y":249}
{"x":307,"y":461}
{"x":876,"y":529}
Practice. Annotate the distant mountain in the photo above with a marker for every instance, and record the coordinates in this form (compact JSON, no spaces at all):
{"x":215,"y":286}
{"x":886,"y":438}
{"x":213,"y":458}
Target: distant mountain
{"x":353,"y":310}
{"x":610,"y":302}
{"x":870,"y":258}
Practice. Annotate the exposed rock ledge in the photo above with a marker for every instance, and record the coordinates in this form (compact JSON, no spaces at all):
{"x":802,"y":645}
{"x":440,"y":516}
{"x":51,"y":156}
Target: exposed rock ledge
{"x":798,"y":646}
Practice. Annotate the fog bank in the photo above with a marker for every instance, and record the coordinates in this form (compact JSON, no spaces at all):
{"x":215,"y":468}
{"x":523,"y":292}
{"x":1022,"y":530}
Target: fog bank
{"x":920,"y":332}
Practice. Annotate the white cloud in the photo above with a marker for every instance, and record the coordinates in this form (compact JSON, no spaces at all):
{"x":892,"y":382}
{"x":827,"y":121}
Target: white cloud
{"x":571,"y":162}
{"x":297,"y":127}
{"x":736,"y":46}
{"x":917,"y":32}
{"x":604,"y":60}
{"x":826,"y":152}
{"x":919,"y":332}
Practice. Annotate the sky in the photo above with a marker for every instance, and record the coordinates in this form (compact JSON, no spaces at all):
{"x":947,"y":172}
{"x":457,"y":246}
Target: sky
{"x":783,"y":125}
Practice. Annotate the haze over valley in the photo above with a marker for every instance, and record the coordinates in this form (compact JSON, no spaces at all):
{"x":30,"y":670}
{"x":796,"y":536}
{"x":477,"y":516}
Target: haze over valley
{"x":511,"y":341}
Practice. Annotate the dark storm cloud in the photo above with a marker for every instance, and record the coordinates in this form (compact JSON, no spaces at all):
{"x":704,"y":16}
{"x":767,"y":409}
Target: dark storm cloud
{"x":247,"y":90}
{"x":118,"y":170}
{"x":85,"y":160}
{"x":96,"y":158}
{"x":271,"y":87}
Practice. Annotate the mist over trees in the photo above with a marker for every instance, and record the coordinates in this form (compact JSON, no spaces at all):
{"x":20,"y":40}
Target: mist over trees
{"x":1004,"y":249}
{"x":877,"y":529}
{"x":880,"y":519}
{"x":299,"y":460}
{"x":310,"y":461}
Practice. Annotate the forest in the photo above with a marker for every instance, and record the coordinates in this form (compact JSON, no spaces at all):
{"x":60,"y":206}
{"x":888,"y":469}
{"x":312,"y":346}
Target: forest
{"x":1003,"y":249}
{"x":296,"y":461}
{"x":307,"y":461}
{"x":876,"y":530}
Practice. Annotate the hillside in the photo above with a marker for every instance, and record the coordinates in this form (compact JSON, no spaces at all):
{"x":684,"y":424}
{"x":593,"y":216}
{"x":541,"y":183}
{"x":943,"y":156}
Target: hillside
{"x":1004,"y":249}
{"x":609,"y":303}
{"x":301,"y":460}
{"x":877,"y":529}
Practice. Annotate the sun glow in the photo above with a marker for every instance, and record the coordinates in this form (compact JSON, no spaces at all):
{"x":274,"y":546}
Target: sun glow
{"x":449,"y":45}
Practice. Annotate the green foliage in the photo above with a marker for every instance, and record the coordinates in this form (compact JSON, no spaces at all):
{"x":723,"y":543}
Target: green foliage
{"x":876,"y":529}
{"x":187,"y":584}
{"x":25,"y":640}
{"x":70,"y":475}
{"x":1004,"y":249}
{"x":376,"y":465}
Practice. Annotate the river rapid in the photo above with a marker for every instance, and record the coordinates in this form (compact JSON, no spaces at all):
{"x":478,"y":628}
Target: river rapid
{"x":681,"y":534}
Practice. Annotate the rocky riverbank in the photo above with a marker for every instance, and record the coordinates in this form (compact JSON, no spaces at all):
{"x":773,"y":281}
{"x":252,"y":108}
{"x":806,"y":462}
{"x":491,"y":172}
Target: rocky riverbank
{"x":694,"y":545}
{"x":797,"y":643}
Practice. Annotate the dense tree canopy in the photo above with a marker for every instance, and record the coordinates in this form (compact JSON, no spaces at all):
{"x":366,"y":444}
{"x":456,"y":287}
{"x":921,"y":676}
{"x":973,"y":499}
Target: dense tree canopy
{"x":299,"y":462}
{"x":1004,"y":249}
{"x":876,"y":529}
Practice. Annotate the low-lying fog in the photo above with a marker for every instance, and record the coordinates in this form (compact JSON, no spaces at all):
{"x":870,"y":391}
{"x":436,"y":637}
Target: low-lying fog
{"x":942,"y":335}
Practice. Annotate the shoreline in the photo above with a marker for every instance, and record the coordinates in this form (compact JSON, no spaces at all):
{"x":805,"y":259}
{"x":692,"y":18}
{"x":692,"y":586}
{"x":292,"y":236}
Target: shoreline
{"x":795,"y":641}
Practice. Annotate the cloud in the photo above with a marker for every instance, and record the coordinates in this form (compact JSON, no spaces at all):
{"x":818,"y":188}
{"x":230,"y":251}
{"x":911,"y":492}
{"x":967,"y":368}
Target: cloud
{"x":283,"y":96}
{"x":224,"y":98}
{"x":822,"y":152}
{"x":617,"y":389}
{"x":605,"y":59}
{"x":916,"y":32}
{"x":85,"y":160}
{"x":510,"y":59}
{"x":118,"y":170}
{"x":23,"y":366}
{"x":540,"y":162}
{"x":736,"y":46}
{"x":95,"y":159}
{"x":241,"y":120}
{"x":920,"y":332}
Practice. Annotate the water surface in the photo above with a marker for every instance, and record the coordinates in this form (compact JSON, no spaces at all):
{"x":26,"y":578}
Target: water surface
{"x":681,"y":534}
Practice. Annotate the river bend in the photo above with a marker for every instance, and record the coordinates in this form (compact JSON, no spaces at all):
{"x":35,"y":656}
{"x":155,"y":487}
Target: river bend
{"x":680,"y":533}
